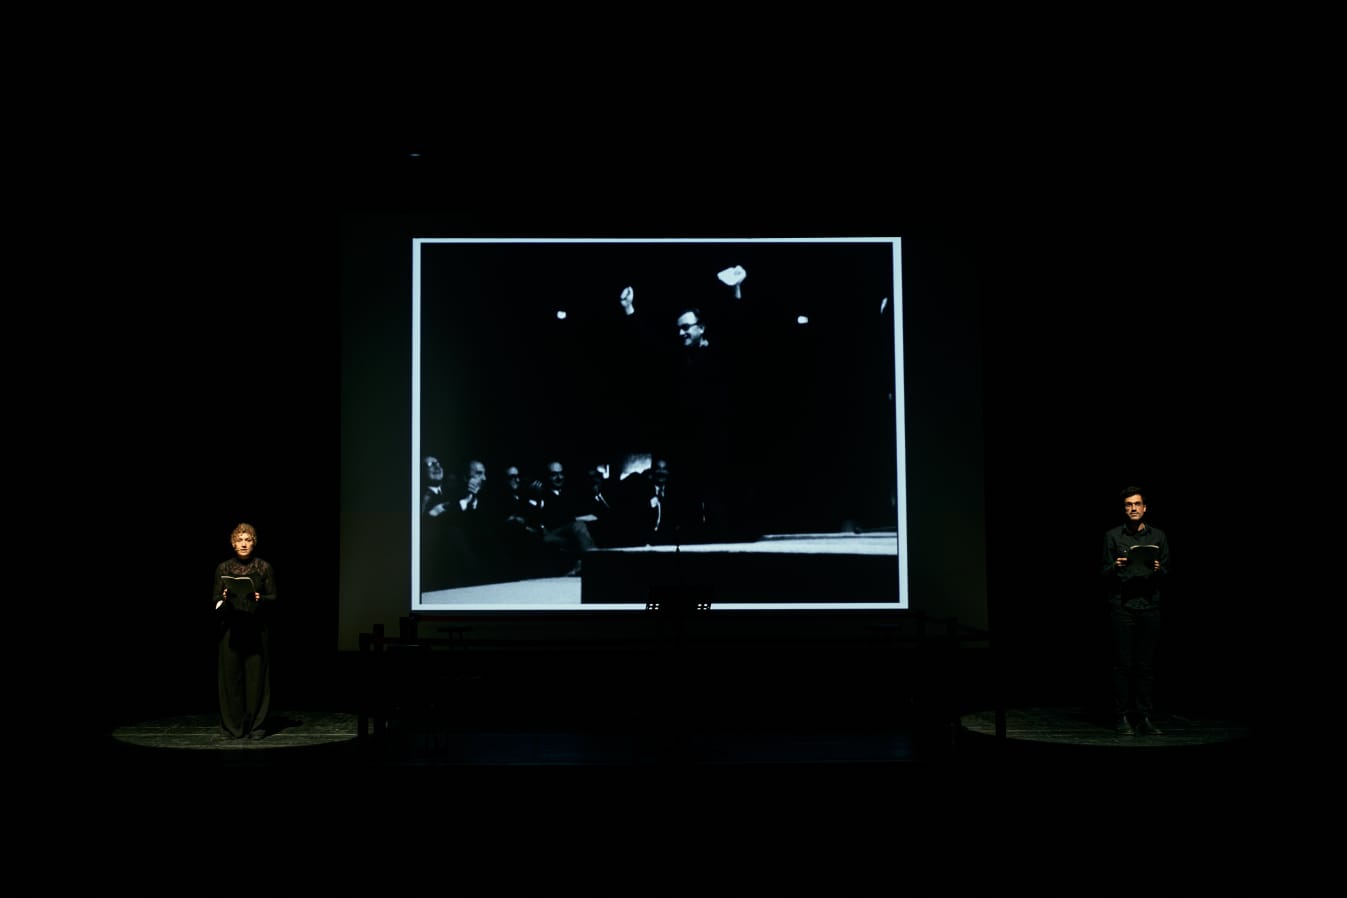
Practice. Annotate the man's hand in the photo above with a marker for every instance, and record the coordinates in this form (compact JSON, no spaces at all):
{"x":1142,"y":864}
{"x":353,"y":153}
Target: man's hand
{"x":628,"y":299}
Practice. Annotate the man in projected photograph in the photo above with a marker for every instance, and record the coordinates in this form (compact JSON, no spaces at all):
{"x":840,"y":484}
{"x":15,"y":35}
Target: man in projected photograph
{"x":698,"y":387}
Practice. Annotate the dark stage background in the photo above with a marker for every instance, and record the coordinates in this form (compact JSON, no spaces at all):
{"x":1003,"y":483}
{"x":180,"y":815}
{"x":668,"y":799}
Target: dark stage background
{"x":1104,"y":360}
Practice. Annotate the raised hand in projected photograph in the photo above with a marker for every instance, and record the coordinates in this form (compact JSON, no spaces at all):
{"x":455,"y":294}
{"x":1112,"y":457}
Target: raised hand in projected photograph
{"x":609,"y":424}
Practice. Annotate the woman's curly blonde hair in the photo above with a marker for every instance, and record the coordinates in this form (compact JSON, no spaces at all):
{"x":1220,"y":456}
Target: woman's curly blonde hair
{"x":243,"y":528}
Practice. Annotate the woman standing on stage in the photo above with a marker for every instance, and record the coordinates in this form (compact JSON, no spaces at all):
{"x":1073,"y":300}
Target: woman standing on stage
{"x":245,"y":587}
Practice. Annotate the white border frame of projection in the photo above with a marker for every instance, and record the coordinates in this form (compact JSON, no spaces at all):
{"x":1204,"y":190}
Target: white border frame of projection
{"x":420,"y":244}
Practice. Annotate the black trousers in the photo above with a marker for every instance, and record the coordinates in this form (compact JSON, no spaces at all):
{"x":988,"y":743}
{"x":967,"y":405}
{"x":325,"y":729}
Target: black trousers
{"x":244,"y":678}
{"x":1136,"y":637}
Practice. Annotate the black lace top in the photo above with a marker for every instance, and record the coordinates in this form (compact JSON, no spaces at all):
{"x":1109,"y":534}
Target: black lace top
{"x":263,"y":577}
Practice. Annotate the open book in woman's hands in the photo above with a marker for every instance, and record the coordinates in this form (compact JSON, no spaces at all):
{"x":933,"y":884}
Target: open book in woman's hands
{"x":239,"y":586}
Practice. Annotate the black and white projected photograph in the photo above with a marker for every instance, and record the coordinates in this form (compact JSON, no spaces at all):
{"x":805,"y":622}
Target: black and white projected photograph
{"x":606,"y":424}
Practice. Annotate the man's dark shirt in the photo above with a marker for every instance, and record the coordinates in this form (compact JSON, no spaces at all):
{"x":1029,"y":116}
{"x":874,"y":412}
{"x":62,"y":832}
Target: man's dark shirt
{"x":1135,"y":588}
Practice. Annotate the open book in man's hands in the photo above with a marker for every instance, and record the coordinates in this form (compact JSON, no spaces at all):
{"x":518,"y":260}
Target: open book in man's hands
{"x":1142,"y":558}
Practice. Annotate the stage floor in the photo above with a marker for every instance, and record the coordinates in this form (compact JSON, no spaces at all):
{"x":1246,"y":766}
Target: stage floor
{"x":313,"y":739}
{"x":542,"y":592}
{"x":795,"y":570}
{"x":786,"y":544}
{"x":832,"y":569}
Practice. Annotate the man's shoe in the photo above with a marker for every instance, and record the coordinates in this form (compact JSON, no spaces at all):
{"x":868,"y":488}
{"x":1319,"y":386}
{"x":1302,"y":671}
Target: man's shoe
{"x":1146,"y":728}
{"x":1123,"y":728}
